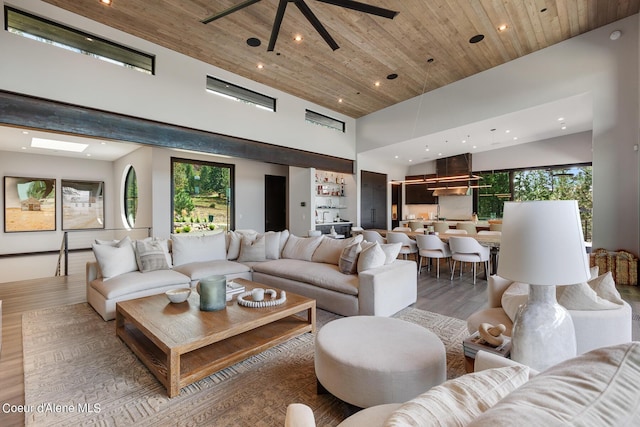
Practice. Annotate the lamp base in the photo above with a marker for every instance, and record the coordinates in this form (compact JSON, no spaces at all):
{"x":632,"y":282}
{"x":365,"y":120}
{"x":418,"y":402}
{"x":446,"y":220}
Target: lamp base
{"x":543,"y":333}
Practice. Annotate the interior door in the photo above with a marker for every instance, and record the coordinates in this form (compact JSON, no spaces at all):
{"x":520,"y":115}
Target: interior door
{"x":373,"y":200}
{"x":275,"y":203}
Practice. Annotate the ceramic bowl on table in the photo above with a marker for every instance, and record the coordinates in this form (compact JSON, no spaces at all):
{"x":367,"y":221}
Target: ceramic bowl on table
{"x":178,"y":295}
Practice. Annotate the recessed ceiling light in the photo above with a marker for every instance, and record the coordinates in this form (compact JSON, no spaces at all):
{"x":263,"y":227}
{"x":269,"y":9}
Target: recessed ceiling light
{"x":260,"y":66}
{"x":24,"y":148}
{"x":410,"y":160}
{"x":475,"y":146}
{"x":106,"y":2}
{"x":560,"y":119}
{"x":563,"y":127}
{"x":515,"y":138}
{"x":396,"y":157}
{"x":439,"y":154}
{"x":507,"y":131}
{"x":340,"y":100}
{"x":502,"y":27}
{"x":24,"y":132}
{"x":426,"y":148}
{"x":253,"y":42}
{"x":51,"y":144}
{"x":103,"y":143}
{"x":88,"y":154}
{"x":615,"y":35}
{"x":476,"y":39}
{"x":297,"y":38}
{"x":89,"y":39}
{"x":376,"y":84}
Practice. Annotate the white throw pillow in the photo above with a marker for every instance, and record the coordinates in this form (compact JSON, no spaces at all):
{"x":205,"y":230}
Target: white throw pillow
{"x":272,"y":244}
{"x":150,"y":255}
{"x":284,"y":236}
{"x":516,"y":294}
{"x":391,"y":251}
{"x":583,"y":296}
{"x":115,"y":260}
{"x":233,"y":240}
{"x":193,"y":248}
{"x":371,"y":257}
{"x":301,"y":248}
{"x":253,"y":250}
{"x":459,"y":401}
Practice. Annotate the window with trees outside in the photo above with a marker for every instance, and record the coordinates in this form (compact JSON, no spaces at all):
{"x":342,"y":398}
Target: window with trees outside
{"x":202,"y":196}
{"x":572,"y":182}
{"x":130,"y":197}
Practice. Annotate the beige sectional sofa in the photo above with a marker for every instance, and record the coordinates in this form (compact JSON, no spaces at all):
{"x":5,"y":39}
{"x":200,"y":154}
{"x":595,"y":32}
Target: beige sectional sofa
{"x":347,"y":277}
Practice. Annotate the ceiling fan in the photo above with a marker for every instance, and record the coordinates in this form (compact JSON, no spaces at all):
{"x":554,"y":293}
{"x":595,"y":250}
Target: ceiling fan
{"x":311,"y":17}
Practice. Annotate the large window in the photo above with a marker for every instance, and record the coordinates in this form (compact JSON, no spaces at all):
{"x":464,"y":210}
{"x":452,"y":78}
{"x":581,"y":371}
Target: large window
{"x":572,"y":182}
{"x":202,"y":196}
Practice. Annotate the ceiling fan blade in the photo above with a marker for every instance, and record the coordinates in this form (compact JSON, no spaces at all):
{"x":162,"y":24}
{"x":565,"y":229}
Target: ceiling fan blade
{"x":361,"y":7}
{"x":276,"y":25}
{"x":316,"y":24}
{"x":229,"y":11}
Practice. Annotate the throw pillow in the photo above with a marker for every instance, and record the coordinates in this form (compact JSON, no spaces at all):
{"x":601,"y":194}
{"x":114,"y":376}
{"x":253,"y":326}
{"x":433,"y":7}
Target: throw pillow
{"x":253,"y":250}
{"x":115,"y":260}
{"x":272,"y":244}
{"x":150,"y":256}
{"x":250,"y":235}
{"x":193,"y":248}
{"x":595,"y":389}
{"x":329,"y":250}
{"x":459,"y":401}
{"x":233,"y":240}
{"x":164,"y":243}
{"x":391,"y":251}
{"x":516,"y":294}
{"x":348,"y":263}
{"x":284,"y":236}
{"x":371,"y":257}
{"x":582,"y":297}
{"x":605,"y":287}
{"x":301,"y":248}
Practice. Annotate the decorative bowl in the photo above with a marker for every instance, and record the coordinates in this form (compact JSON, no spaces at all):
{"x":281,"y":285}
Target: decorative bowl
{"x":178,"y":295}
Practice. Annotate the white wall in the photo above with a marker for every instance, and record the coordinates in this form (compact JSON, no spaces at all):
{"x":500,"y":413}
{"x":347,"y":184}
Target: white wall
{"x":175,"y":94}
{"x":589,"y":63}
{"x":301,"y":187}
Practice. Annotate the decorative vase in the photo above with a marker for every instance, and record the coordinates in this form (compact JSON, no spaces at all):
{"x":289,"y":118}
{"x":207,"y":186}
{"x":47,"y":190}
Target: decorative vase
{"x":213,"y":293}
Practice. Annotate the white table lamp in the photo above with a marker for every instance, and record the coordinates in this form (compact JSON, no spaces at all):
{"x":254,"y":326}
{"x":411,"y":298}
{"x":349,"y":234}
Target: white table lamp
{"x":542,"y":245}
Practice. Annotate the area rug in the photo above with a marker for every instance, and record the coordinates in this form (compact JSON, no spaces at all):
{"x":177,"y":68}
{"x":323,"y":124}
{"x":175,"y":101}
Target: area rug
{"x":77,"y":372}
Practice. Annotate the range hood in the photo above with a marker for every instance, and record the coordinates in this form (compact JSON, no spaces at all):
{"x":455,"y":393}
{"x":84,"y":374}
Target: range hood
{"x":458,"y":191}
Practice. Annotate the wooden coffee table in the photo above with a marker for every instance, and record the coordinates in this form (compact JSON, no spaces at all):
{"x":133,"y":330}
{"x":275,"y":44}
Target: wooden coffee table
{"x":181,"y":344}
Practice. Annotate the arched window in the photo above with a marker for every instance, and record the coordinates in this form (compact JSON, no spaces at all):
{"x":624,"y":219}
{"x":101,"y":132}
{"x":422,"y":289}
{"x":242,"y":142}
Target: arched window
{"x":130,"y":196}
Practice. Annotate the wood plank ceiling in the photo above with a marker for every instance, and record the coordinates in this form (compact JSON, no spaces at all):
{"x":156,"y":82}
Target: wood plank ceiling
{"x":371,"y":48}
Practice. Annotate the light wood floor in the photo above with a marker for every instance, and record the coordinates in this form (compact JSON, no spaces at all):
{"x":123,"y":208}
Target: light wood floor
{"x":458,"y":298}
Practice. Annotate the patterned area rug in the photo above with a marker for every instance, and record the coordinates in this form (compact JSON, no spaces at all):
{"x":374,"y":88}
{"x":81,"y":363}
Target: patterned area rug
{"x":77,"y":372}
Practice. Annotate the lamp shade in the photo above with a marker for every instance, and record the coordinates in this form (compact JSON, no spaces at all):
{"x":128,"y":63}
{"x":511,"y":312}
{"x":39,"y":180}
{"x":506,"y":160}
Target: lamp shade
{"x":542,"y":243}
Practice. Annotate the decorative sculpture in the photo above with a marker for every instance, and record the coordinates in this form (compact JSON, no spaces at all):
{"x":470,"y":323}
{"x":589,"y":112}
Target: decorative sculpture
{"x":492,"y":334}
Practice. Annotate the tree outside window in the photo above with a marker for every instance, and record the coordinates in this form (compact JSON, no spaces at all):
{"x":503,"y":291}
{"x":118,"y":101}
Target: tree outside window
{"x":201,"y":196}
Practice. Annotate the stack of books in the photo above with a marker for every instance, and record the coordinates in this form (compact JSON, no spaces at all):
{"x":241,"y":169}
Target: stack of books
{"x":474,"y":343}
{"x":233,"y":289}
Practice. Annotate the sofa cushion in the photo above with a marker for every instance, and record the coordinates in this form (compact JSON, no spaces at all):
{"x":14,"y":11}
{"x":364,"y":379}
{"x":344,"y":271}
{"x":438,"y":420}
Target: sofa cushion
{"x":459,"y":401}
{"x":372,"y":256}
{"x":516,"y":294}
{"x":194,"y":248}
{"x":272,"y":244}
{"x":348,"y":262}
{"x":595,"y":389}
{"x":164,"y":243}
{"x":115,"y":259}
{"x":253,"y":250}
{"x":150,"y":256}
{"x":135,"y":281}
{"x":315,"y":273}
{"x":329,"y":250}
{"x":301,"y":248}
{"x":198,"y":270}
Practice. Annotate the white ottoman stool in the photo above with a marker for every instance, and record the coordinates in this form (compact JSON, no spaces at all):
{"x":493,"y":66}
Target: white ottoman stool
{"x":369,"y":360}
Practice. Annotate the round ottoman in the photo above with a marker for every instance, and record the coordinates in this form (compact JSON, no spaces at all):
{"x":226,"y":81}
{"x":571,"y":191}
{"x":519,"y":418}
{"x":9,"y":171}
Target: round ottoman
{"x":369,"y":360}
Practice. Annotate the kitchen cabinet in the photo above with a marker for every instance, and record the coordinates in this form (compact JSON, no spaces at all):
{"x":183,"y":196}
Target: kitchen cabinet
{"x":417,"y":194}
{"x":373,"y":200}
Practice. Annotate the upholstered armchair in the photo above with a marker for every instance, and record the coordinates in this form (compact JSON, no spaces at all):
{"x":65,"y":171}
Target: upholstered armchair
{"x":594,"y":328}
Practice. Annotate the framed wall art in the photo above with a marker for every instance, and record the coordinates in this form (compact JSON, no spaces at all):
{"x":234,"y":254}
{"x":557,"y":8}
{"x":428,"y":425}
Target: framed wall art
{"x":82,"y":204}
{"x":29,"y":204}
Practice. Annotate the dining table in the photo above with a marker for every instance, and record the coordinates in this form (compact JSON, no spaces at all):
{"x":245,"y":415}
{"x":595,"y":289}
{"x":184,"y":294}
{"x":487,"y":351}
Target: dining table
{"x":490,"y":240}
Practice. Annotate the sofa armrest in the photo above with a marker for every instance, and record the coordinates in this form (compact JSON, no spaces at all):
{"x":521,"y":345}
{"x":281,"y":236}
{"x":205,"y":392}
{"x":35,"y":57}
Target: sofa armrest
{"x":495,"y":288}
{"x":92,"y":271}
{"x":385,"y":290}
{"x":299,"y":415}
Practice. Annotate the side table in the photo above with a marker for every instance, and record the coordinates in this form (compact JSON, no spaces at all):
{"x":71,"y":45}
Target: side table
{"x":473,"y":343}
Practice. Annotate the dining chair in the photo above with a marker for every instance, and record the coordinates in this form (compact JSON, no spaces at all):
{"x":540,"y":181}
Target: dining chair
{"x":440,"y":227}
{"x":409,"y":246}
{"x":469,"y":227}
{"x":420,"y":230}
{"x":414,"y":225}
{"x":373,"y":236}
{"x":403,"y":229}
{"x":467,"y":249}
{"x":489,"y":233}
{"x":455,"y":231}
{"x":430,"y":246}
